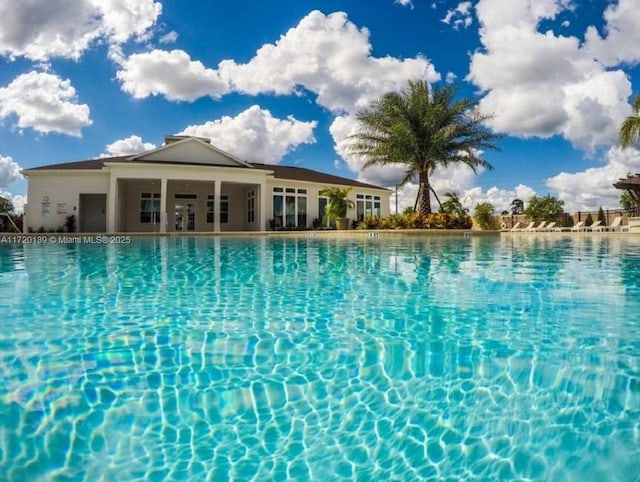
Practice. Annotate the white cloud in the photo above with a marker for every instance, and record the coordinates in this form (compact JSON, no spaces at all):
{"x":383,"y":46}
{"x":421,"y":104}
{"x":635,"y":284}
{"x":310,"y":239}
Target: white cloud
{"x":572,"y":95}
{"x":9,"y":171}
{"x":329,"y":56}
{"x":171,"y":74}
{"x":44,"y":102}
{"x":40,"y":30}
{"x":620,"y":44}
{"x":324,"y":54}
{"x":255,"y":135}
{"x":500,"y":198}
{"x":460,"y":16}
{"x":592,"y":188}
{"x":130,"y":145}
{"x":451,"y":78}
{"x":404,"y":3}
{"x":18,"y":200}
{"x":468,"y":195}
{"x":169,"y":38}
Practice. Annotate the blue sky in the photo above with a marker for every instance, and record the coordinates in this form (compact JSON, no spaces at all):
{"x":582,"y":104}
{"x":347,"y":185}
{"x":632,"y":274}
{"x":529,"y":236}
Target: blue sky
{"x":280,"y":82}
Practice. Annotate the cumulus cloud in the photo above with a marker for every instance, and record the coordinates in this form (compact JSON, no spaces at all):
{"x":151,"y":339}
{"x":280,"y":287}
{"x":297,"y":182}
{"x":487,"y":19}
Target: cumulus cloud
{"x":329,"y":56}
{"x":592,"y":188}
{"x":9,"y":171}
{"x":574,"y":95}
{"x":324,"y":54}
{"x":66,"y":28}
{"x":171,"y":74}
{"x":459,"y":16}
{"x":255,"y":135}
{"x":130,"y":145}
{"x":45,"y":103}
{"x":622,"y":35}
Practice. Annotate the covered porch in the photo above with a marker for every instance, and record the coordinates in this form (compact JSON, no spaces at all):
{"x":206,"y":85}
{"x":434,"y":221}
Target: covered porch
{"x":176,"y":203}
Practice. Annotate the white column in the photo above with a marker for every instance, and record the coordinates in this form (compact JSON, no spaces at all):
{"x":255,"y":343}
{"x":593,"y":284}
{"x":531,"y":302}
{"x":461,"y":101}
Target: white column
{"x":262,"y":222}
{"x":217,"y":192}
{"x":163,"y":205}
{"x":112,"y":204}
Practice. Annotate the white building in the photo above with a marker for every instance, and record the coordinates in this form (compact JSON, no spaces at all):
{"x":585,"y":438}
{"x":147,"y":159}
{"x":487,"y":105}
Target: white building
{"x":185,"y":185}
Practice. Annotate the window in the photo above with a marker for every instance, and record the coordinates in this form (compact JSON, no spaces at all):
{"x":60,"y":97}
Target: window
{"x":224,"y":209}
{"x":322,"y":205}
{"x":290,"y":207}
{"x":149,"y":207}
{"x":367,"y":205}
{"x":251,"y":207}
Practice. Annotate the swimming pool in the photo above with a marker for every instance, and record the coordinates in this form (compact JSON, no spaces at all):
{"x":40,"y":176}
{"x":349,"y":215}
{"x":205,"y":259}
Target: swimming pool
{"x":390,"y":358}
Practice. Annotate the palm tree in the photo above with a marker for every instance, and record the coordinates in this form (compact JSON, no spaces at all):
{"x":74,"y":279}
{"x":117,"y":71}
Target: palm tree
{"x":422,"y":129}
{"x":453,"y":205}
{"x":630,"y":128}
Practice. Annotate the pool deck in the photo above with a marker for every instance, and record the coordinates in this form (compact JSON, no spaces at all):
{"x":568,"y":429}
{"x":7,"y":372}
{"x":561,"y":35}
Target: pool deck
{"x":18,"y":238}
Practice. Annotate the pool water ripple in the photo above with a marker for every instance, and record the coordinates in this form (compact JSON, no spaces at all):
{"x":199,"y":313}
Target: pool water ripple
{"x":311,"y":359}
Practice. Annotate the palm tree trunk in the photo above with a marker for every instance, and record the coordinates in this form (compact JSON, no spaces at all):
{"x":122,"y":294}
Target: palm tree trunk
{"x":425,"y":194}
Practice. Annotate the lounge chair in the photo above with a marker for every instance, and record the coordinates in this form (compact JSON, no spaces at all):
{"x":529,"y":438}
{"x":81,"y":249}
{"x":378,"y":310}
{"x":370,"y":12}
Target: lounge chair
{"x":537,"y":228}
{"x":516,"y":227}
{"x":528,"y":228}
{"x":595,"y":226}
{"x":550,"y":227}
{"x":578,"y":227}
{"x":616,"y":225}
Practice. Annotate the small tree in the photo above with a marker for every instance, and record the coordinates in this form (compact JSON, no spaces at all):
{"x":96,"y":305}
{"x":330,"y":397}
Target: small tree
{"x":408,"y":210}
{"x":544,"y":208}
{"x":6,"y":206}
{"x":588,"y":220}
{"x":454,"y":206}
{"x":626,"y":202}
{"x":338,"y":203}
{"x":601,"y":217}
{"x":517,"y":206}
{"x":483,"y":214}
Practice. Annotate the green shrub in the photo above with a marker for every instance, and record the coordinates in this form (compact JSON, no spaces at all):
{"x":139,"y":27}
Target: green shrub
{"x":483,"y":214}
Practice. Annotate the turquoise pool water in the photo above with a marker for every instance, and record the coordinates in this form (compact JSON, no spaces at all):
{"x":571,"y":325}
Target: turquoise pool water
{"x":315,"y":359}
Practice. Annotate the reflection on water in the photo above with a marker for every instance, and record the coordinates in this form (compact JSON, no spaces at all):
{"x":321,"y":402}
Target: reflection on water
{"x":184,"y":358}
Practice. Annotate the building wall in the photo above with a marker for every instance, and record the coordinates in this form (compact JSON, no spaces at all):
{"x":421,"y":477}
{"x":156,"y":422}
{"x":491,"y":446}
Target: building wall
{"x":55,"y":195}
{"x":62,"y":189}
{"x":313,"y":196}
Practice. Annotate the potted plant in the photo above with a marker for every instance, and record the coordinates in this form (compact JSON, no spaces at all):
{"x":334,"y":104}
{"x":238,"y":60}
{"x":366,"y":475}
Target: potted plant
{"x":337,"y":206}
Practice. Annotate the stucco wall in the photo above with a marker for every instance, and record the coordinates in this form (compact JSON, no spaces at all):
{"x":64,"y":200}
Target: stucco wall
{"x":54,"y":196}
{"x":63,"y":188}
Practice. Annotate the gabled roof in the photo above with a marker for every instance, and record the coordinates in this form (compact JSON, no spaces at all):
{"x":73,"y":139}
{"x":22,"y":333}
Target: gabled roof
{"x":169,"y":152}
{"x":190,"y":150}
{"x":91,"y":164}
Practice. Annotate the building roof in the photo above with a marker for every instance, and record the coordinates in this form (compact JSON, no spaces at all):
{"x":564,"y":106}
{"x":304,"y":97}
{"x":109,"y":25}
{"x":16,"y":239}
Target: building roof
{"x":292,"y":173}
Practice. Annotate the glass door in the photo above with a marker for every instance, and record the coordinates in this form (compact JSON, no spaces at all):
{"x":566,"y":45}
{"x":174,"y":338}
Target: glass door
{"x":185,"y":217}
